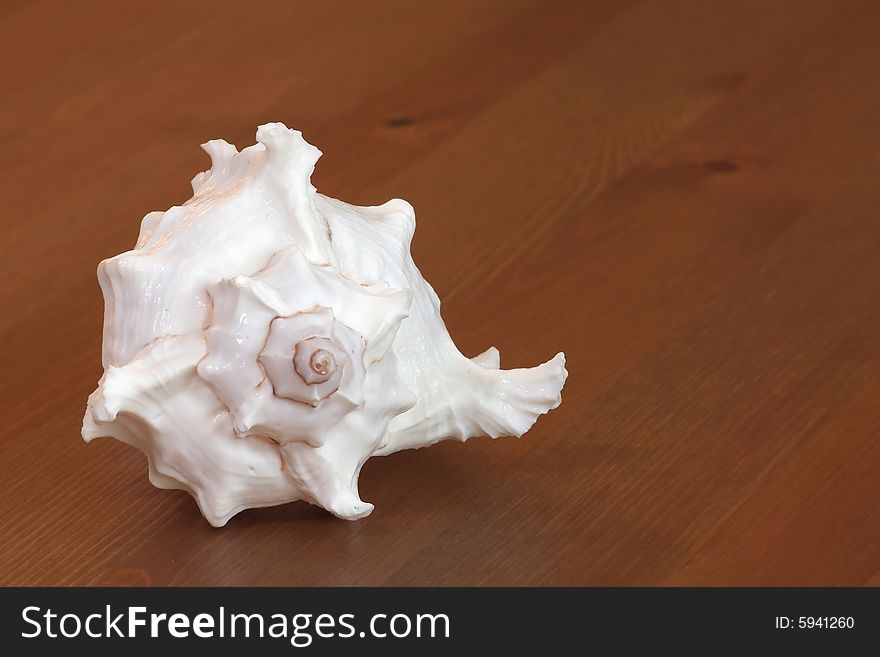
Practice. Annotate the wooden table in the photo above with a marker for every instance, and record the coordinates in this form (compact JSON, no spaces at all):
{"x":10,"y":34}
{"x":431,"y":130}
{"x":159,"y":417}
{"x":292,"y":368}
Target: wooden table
{"x":683,"y":196}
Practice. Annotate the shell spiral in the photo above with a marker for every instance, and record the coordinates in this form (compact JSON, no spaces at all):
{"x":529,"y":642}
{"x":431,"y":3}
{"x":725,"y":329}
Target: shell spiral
{"x":262,"y":341}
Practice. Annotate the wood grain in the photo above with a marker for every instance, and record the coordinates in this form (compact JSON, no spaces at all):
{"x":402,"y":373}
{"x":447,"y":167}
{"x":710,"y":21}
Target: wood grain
{"x":683,"y":196}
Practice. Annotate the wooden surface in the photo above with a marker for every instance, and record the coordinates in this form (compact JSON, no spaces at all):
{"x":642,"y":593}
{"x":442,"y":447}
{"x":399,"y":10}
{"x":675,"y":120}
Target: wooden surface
{"x":683,"y":196}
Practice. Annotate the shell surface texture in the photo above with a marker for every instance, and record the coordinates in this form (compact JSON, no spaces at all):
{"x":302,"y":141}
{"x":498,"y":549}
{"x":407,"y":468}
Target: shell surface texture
{"x":262,"y":341}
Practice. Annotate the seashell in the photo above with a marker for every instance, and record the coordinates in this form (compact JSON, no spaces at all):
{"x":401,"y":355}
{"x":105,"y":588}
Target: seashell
{"x":262,"y":341}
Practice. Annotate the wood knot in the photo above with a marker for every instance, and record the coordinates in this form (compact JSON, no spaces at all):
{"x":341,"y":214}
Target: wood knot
{"x":721,"y":166}
{"x":399,"y":122}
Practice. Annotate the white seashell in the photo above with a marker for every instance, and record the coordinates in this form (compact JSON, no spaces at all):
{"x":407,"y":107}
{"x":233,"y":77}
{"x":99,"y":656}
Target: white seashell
{"x":262,"y":341}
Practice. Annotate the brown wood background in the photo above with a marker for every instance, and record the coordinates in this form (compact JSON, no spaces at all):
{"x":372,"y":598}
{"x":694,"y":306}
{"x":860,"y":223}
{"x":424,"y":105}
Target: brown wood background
{"x":683,"y":196}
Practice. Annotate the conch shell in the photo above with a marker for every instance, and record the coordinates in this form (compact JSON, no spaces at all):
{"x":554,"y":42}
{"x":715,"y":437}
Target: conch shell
{"x":262,"y":341}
